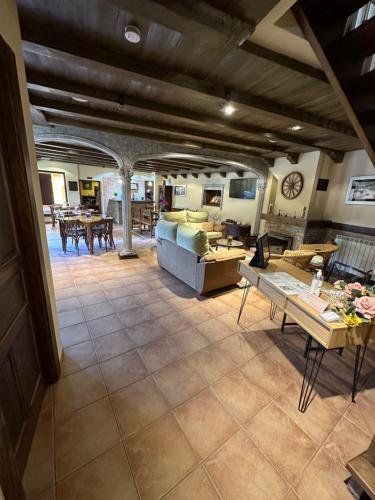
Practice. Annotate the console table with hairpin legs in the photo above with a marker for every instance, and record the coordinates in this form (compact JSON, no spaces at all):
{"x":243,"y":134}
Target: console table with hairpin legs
{"x":326,"y":336}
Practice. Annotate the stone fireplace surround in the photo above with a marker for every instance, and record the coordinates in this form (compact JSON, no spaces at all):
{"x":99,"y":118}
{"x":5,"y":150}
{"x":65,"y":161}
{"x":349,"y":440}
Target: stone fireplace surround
{"x":301,"y":230}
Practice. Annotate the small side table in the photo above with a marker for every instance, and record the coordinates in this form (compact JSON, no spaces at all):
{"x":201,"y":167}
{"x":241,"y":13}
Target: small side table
{"x":229,"y":244}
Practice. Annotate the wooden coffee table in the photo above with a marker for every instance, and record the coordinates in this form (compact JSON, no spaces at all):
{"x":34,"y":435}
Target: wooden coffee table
{"x":229,"y":244}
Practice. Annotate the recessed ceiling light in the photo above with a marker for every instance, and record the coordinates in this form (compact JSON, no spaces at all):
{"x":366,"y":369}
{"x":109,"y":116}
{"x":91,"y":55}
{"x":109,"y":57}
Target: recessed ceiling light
{"x":228,"y":109}
{"x":132,"y":34}
{"x":80,"y":99}
{"x":271,"y":140}
{"x":268,"y":134}
{"x":295,"y":128}
{"x":191,"y":145}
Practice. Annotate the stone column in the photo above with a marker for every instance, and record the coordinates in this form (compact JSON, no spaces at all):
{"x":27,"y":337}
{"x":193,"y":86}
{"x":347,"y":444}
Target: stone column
{"x":126,"y":251}
{"x":261,"y":188}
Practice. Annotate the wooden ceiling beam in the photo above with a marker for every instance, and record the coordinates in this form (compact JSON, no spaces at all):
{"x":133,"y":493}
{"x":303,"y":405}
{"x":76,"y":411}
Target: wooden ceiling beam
{"x":45,"y":104}
{"x":82,"y":123}
{"x":39,"y":38}
{"x":182,"y":15}
{"x":182,"y":166}
{"x":72,"y":147}
{"x":75,"y":161}
{"x":200,"y":163}
{"x":283,"y":61}
{"x":41,"y":82}
{"x":45,"y":150}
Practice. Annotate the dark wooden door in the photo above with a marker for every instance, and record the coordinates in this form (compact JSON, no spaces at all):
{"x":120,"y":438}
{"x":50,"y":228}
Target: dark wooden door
{"x":28,"y":353}
{"x":46,"y":188}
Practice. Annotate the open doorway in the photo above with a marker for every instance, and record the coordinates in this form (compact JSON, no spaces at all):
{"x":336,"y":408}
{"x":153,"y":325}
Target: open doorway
{"x":53,"y":188}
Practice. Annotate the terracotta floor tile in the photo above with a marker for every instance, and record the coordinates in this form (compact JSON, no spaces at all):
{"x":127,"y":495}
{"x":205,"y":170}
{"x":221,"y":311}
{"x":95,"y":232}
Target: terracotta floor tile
{"x":159,"y":353}
{"x":125,"y":303}
{"x":189,"y":340}
{"x":74,"y":334}
{"x":272,"y":371}
{"x":39,"y":472}
{"x":138,"y":405}
{"x":282,"y":440}
{"x":179,"y":382}
{"x":103,"y":326}
{"x":116,"y":293}
{"x":65,"y":293}
{"x":96,"y":297}
{"x":236,"y":349}
{"x":197,"y":484}
{"x":240,"y":471}
{"x":261,"y":340}
{"x":68,"y":318}
{"x":139,"y":288}
{"x":320,"y":417}
{"x":362,"y":412}
{"x":145,"y":332}
{"x":158,"y":309}
{"x":230,"y":299}
{"x":205,"y":422}
{"x":78,"y":390}
{"x":216,"y":307}
{"x":160,"y":457}
{"x":174,"y":323}
{"x":112,"y":345}
{"x":123,"y":370}
{"x":61,"y":284}
{"x":150,"y":297}
{"x":230,"y":319}
{"x":214,"y":330}
{"x":195,"y":314}
{"x":179,"y":303}
{"x":323,"y":479}
{"x":242,"y":399}
{"x":77,"y":357}
{"x":106,"y":477}
{"x":112,"y":284}
{"x":83,"y":435}
{"x":135,"y":316}
{"x":67,"y":304}
{"x":210,"y":363}
{"x":92,"y":287}
{"x":96,"y":311}
{"x":346,"y":441}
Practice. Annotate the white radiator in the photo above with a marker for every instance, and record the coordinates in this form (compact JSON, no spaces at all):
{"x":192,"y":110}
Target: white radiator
{"x":355,"y":252}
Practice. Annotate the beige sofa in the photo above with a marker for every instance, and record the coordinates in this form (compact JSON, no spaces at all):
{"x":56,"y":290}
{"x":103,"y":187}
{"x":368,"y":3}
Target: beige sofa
{"x":214,"y":231}
{"x":184,"y":251}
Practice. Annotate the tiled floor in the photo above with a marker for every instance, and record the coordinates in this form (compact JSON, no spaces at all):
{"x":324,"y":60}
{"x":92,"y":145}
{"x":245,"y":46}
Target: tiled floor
{"x":163,"y":395}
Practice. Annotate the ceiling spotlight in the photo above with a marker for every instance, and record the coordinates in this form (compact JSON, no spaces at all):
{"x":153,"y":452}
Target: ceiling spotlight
{"x":132,"y":34}
{"x":191,"y":145}
{"x":271,"y":140}
{"x":80,"y":99}
{"x":226,"y":106}
{"x":268,"y":134}
{"x":295,"y":128}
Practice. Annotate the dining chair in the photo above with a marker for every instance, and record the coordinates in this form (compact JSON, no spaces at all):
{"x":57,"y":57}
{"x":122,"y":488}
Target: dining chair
{"x":72,"y":229}
{"x":104,"y":230}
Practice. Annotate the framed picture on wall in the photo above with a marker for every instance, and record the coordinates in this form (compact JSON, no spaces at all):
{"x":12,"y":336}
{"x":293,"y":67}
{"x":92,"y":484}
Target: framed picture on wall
{"x":134,"y":186}
{"x":361,"y":190}
{"x":180,"y":190}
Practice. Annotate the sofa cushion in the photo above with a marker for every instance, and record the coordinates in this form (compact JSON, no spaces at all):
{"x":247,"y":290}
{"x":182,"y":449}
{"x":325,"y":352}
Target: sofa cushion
{"x":166,"y":230}
{"x":220,"y":255}
{"x":214,"y":235}
{"x":179,"y":216}
{"x":192,"y":238}
{"x":196,"y":216}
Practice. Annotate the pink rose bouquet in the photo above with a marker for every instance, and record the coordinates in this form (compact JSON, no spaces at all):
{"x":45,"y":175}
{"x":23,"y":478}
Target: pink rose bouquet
{"x":358,"y":302}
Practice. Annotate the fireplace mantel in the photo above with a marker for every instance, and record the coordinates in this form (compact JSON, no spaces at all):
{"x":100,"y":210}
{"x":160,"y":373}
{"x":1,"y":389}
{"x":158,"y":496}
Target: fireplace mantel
{"x":292,"y":221}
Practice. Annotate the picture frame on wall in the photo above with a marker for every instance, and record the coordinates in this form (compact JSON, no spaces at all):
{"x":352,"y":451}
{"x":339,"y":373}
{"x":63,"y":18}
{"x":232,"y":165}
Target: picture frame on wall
{"x":134,"y":186}
{"x":361,"y":190}
{"x":180,"y":190}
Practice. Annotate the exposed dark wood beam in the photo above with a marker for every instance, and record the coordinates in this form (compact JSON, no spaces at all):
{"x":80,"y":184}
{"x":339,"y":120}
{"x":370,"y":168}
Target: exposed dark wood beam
{"x":174,"y":176}
{"x":42,"y":103}
{"x":178,"y":164}
{"x":190,"y":15}
{"x":40,"y":39}
{"x":72,"y":147}
{"x":293,"y":158}
{"x":223,"y":174}
{"x":239,"y":173}
{"x":42,"y":82}
{"x":195,"y":163}
{"x":195,"y":175}
{"x":284,"y":61}
{"x":75,"y":160}
{"x":49,"y":151}
{"x":82,"y":123}
{"x":207,"y":174}
{"x":169,"y":163}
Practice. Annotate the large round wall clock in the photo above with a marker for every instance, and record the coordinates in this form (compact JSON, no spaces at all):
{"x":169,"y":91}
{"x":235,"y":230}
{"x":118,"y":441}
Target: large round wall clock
{"x":292,"y":185}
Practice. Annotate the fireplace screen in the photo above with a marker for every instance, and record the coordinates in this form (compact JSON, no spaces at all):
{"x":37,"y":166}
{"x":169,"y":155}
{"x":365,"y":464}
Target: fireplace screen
{"x":280,"y":242}
{"x":212,"y":196}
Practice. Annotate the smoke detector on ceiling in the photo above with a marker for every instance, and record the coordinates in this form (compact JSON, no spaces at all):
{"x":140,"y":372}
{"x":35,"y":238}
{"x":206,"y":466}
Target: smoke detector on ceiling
{"x":132,"y":34}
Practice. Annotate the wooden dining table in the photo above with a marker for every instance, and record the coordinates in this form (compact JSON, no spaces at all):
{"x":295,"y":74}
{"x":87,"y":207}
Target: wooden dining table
{"x":89,"y":222}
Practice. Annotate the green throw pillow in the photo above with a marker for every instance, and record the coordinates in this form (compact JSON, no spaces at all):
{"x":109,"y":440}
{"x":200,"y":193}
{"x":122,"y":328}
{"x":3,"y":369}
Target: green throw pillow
{"x":166,"y":230}
{"x":197,"y":216}
{"x":193,"y":239}
{"x":179,"y":216}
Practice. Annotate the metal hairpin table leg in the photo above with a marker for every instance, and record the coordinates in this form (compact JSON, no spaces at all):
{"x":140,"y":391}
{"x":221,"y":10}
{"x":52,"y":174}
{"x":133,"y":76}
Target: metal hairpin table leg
{"x":245,"y":293}
{"x":359,"y":357}
{"x":273,"y":309}
{"x":314,"y":358}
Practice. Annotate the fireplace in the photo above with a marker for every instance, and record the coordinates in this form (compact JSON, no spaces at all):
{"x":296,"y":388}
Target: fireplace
{"x":280,"y":242}
{"x":212,"y":195}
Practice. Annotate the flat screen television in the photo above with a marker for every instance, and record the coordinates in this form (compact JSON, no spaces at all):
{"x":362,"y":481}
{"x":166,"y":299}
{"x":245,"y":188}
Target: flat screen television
{"x":262,"y":252}
{"x":243,"y":188}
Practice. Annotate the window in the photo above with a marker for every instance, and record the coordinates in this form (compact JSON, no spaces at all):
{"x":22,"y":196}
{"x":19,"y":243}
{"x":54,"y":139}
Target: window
{"x":360,"y":16}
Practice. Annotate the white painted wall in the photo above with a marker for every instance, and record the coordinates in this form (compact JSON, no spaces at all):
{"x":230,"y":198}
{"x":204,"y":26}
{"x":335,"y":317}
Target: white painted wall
{"x":241,"y":210}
